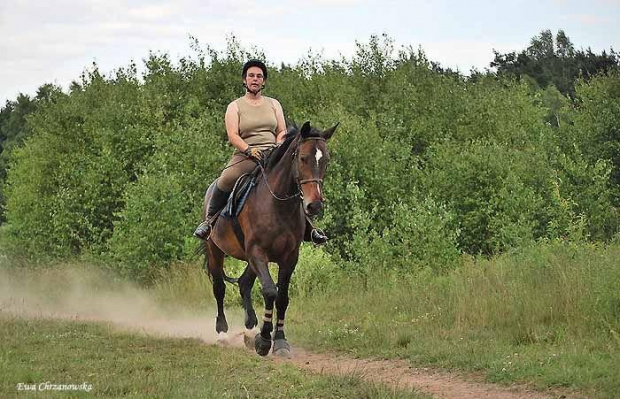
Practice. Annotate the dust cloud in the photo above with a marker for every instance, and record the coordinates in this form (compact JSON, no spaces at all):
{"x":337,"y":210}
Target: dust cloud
{"x":88,"y":294}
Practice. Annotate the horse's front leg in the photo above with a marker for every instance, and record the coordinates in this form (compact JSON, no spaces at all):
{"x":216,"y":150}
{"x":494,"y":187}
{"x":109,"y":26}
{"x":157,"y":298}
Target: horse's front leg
{"x":260,"y":266}
{"x":285,"y":272}
{"x":246,"y":282}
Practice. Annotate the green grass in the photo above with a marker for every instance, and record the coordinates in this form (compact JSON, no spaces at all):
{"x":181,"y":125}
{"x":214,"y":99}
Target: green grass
{"x":128,"y":365}
{"x":548,"y":316}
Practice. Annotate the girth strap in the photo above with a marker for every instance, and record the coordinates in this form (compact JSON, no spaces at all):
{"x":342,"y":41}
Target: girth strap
{"x":238,"y":232}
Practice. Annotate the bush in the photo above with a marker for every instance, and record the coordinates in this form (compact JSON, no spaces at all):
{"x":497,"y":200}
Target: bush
{"x":426,"y":165}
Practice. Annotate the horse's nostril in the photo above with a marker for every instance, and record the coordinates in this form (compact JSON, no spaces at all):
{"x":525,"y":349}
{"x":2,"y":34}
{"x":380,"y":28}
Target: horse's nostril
{"x":314,"y":207}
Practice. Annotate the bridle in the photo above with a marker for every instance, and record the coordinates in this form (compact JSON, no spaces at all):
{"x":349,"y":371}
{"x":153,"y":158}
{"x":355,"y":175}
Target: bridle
{"x":304,"y":181}
{"x":298,"y":181}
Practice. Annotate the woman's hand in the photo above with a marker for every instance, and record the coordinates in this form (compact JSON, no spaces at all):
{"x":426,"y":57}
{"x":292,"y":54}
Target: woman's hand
{"x":253,"y":153}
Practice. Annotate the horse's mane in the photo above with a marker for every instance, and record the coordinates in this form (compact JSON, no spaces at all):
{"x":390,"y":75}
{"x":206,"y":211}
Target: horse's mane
{"x":280,"y":150}
{"x":292,"y":134}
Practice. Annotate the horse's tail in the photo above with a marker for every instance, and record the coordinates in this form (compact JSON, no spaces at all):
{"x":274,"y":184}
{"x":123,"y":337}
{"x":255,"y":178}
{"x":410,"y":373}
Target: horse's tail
{"x":203,"y":249}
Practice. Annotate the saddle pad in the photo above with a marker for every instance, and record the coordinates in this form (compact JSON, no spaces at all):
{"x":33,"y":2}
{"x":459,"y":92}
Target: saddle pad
{"x":239,"y":194}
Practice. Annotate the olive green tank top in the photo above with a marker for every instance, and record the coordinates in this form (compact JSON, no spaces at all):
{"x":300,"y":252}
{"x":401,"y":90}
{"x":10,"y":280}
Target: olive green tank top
{"x":257,"y":123}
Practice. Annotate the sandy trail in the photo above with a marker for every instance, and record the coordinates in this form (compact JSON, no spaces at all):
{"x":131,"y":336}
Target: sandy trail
{"x":401,"y":375}
{"x":82,"y":297}
{"x":398,"y":373}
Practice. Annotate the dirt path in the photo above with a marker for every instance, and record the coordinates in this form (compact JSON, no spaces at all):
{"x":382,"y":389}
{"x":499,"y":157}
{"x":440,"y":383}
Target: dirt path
{"x":132,"y":309}
{"x":398,"y":373}
{"x":401,"y":375}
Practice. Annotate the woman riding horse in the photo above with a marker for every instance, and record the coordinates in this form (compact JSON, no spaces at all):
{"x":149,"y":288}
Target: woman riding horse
{"x":254,"y":123}
{"x":270,"y":228}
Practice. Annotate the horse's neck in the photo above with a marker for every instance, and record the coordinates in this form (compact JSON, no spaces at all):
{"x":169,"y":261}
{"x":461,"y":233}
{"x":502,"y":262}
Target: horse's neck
{"x":281,"y":177}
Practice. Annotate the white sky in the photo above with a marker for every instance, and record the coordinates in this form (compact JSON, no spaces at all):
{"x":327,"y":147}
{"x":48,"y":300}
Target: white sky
{"x":53,"y":41}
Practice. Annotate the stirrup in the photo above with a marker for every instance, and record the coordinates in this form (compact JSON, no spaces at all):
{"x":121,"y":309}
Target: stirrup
{"x":204,"y":229}
{"x":318,"y":237}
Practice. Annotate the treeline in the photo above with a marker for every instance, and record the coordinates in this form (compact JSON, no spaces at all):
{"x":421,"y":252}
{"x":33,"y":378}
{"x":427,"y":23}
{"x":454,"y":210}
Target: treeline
{"x":556,"y":63}
{"x":427,"y":164}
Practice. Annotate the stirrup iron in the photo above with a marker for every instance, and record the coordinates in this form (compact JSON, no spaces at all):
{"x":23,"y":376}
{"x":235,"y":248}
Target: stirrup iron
{"x":318,"y":237}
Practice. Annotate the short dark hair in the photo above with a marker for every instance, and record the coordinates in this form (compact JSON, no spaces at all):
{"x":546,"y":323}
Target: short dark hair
{"x":254,"y":63}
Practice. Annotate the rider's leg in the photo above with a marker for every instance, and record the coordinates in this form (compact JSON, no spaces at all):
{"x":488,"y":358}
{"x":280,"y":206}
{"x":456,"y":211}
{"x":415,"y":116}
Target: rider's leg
{"x":238,"y":165}
{"x":314,"y":235}
{"x":217,"y":202}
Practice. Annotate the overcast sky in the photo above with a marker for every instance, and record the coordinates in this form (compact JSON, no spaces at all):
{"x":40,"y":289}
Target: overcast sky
{"x":53,"y":41}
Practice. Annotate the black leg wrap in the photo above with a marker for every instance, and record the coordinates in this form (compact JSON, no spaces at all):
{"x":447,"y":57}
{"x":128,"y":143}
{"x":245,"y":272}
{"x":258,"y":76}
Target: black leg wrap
{"x":266,"y":330}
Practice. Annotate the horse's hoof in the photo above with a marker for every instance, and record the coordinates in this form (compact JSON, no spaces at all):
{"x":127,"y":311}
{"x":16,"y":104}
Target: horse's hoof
{"x":248,"y":338}
{"x":262,"y":345}
{"x":250,"y":320}
{"x":222,"y":339}
{"x":281,"y":348}
{"x":221,"y":325}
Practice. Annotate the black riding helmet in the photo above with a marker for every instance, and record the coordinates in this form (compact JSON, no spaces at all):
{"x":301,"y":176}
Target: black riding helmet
{"x":254,"y":63}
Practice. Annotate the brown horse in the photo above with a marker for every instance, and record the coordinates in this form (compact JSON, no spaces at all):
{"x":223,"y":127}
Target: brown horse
{"x":270,"y":228}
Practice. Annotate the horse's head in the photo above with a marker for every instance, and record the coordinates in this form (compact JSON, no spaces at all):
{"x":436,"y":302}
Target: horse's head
{"x":311,"y":161}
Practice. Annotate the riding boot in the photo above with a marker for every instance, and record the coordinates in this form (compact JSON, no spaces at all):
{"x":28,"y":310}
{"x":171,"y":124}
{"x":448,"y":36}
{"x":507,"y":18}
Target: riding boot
{"x":217,"y":202}
{"x":314,"y":235}
{"x":318,"y":237}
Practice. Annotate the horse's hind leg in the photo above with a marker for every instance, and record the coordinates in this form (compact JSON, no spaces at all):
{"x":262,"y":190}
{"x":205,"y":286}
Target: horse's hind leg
{"x":246,"y":282}
{"x":215,"y":267}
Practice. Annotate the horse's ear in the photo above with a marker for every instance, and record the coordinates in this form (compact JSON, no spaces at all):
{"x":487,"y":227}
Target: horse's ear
{"x":305,"y":129}
{"x":327,"y":134}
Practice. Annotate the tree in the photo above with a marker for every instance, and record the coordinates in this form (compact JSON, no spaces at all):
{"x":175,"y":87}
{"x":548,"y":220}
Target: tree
{"x":15,"y":129}
{"x":554,"y":63}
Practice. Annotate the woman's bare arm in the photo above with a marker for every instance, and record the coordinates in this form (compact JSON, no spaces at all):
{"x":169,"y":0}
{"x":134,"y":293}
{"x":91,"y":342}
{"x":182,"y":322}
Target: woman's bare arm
{"x":281,"y":127}
{"x":231,"y":118}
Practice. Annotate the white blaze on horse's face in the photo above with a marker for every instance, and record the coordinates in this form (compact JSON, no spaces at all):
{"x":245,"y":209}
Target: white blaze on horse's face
{"x":318,"y":156}
{"x":312,"y":164}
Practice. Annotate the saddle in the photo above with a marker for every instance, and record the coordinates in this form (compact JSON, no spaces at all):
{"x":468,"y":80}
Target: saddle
{"x":242,"y":188}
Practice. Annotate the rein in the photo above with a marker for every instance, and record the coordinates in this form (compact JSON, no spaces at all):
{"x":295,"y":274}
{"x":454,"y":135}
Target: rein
{"x":299,"y":182}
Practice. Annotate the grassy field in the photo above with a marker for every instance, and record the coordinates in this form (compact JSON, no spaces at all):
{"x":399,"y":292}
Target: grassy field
{"x":116,"y":364}
{"x":547,"y":316}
